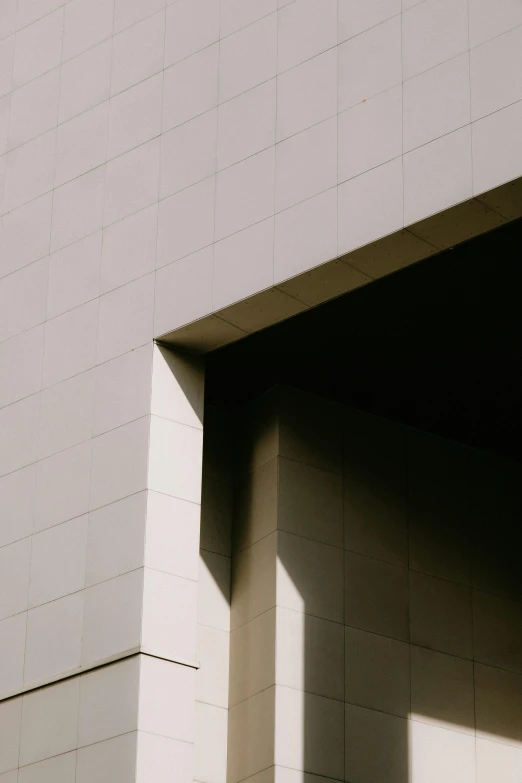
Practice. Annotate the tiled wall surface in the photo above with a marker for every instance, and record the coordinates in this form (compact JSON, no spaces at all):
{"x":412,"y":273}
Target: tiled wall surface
{"x":113,"y":724}
{"x":150,"y":146}
{"x":376,"y":603}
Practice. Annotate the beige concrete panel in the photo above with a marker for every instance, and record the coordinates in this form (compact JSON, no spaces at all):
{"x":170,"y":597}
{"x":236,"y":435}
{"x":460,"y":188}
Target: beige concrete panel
{"x":442,"y":690}
{"x":253,"y":657}
{"x":377,"y":672}
{"x":376,"y":746}
{"x":376,"y":596}
{"x":440,"y":615}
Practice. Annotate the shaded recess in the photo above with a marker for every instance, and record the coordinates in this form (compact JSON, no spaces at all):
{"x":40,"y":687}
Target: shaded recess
{"x":437,"y":346}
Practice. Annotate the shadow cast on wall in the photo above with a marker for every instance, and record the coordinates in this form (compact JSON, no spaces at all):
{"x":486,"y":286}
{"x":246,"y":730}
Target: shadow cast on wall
{"x":376,"y":599}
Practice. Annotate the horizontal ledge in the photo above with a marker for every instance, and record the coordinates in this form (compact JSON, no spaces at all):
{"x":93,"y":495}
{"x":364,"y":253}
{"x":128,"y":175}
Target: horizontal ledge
{"x":346,"y":272}
{"x":100,"y":664}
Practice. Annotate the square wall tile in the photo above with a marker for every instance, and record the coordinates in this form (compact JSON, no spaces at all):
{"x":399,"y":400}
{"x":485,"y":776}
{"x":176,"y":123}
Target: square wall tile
{"x":109,"y":702}
{"x":135,"y":116}
{"x":129,"y":249}
{"x":112,"y":618}
{"x":243,"y":264}
{"x":70,"y":343}
{"x":177,"y":387}
{"x":186,"y":222}
{"x":132,"y":181}
{"x":309,"y":654}
{"x":16,"y":504}
{"x":309,"y":577}
{"x":319,"y":750}
{"x":116,"y":539}
{"x":34,"y":109}
{"x":66,"y":414}
{"x":376,"y":596}
{"x":122,"y":389}
{"x":496,"y":79}
{"x":497,"y":705}
{"x":442,"y":690}
{"x":245,"y":194}
{"x":370,"y":63}
{"x":449,"y":755}
{"x":87,"y":22}
{"x":356,"y":17}
{"x":38,"y":48}
{"x":18,"y":434}
{"x":183,"y":291}
{"x":248,"y":57}
{"x":22,"y":299}
{"x":81,"y":144}
{"x":254,"y":717}
{"x":85,"y":81}
{"x":191,"y":26}
{"x":175,"y":459}
{"x":54,"y":639}
{"x":253,"y":656}
{"x":370,"y":206}
{"x":256,"y":505}
{"x":190,"y":87}
{"x":213,"y":652}
{"x":7,"y":49}
{"x":113,"y":759}
{"x":29,"y":170}
{"x":214,"y":590}
{"x":62,"y":486}
{"x":306,"y":164}
{"x":78,"y":208}
{"x":305,"y":235}
{"x":376,"y":746}
{"x":440,"y":615}
{"x":433,"y":32}
{"x":12,"y":651}
{"x":58,"y":561}
{"x":310,"y":502}
{"x":246,"y":124}
{"x":307,"y":94}
{"x":119,"y":462}
{"x":49,"y":721}
{"x":158,"y":756}
{"x":15,"y":564}
{"x":137,"y":52}
{"x":370,"y":134}
{"x":188,"y":152}
{"x":166,"y":698}
{"x":19,"y":245}
{"x":436,"y":102}
{"x":305,"y":28}
{"x":253,"y":581}
{"x":437,"y":175}
{"x":170,"y":596}
{"x":125,"y":318}
{"x":74,"y":275}
{"x":10,"y":716}
{"x":497,"y":631}
{"x":377,"y":672}
{"x":172,"y":536}
{"x":497,"y":156}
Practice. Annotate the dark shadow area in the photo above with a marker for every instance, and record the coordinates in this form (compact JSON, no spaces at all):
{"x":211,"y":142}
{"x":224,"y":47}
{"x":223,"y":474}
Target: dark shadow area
{"x":436,"y":347}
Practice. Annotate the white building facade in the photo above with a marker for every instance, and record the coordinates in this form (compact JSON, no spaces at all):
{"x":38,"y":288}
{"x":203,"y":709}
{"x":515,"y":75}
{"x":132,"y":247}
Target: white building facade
{"x":192,"y":172}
